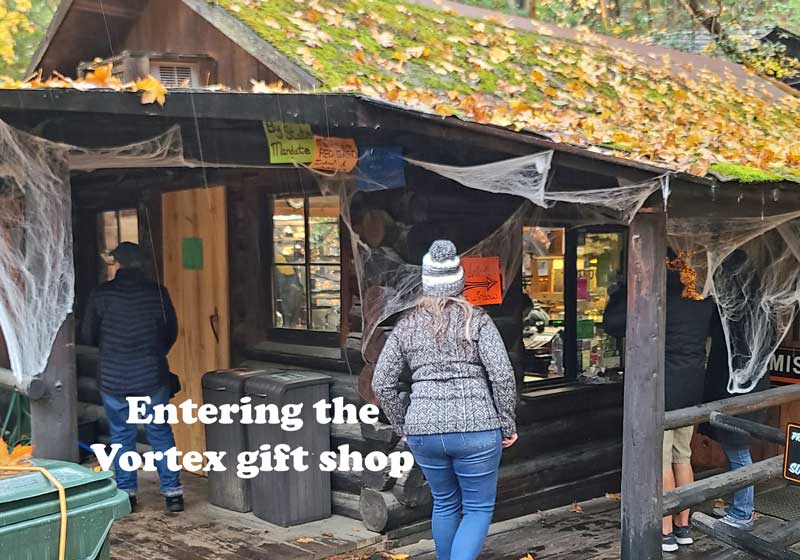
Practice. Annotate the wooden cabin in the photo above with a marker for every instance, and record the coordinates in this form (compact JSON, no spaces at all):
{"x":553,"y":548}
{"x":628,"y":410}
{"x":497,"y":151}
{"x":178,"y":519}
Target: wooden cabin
{"x":260,"y":263}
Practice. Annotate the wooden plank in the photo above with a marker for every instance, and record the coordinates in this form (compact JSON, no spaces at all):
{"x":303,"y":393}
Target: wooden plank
{"x":251,"y":42}
{"x":643,"y":429}
{"x":735,"y":405}
{"x":722,"y":484}
{"x":200,"y":296}
{"x":741,"y":540}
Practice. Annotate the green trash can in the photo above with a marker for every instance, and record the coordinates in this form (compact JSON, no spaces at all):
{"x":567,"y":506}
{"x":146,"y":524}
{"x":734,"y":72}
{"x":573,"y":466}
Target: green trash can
{"x":30,"y":517}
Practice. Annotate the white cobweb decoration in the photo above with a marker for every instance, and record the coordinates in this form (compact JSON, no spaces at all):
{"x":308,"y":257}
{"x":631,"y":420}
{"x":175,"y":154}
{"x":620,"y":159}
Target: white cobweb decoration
{"x":751,"y":267}
{"x":36,"y":269}
{"x":37,"y":277}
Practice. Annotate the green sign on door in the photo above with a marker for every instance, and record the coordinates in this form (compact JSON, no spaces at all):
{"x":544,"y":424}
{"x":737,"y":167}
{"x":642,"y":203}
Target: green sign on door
{"x":192,"y":253}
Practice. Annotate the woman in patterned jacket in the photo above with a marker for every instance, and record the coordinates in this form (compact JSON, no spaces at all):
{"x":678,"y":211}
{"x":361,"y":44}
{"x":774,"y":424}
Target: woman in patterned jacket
{"x":461,"y":410}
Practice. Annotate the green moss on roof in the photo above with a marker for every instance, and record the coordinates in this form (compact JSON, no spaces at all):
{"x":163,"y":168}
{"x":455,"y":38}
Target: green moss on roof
{"x":578,"y":91}
{"x":745,"y":174}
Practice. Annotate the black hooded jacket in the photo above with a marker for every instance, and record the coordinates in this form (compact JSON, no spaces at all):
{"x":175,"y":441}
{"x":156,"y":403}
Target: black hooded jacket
{"x":133,"y":322}
{"x":687,"y":327}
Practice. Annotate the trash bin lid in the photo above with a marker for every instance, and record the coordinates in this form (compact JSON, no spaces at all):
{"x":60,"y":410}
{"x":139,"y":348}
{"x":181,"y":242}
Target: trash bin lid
{"x":30,"y":495}
{"x":276,"y":384}
{"x":228,"y":379}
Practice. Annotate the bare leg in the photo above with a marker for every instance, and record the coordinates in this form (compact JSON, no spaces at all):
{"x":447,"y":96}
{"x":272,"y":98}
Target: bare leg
{"x":683,"y":475}
{"x":669,"y":484}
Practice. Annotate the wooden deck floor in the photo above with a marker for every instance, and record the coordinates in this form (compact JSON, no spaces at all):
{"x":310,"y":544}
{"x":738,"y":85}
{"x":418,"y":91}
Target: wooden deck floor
{"x":588,"y":532}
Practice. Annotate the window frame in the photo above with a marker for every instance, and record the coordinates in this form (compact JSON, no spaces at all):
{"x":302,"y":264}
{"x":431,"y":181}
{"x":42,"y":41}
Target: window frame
{"x":306,"y":335}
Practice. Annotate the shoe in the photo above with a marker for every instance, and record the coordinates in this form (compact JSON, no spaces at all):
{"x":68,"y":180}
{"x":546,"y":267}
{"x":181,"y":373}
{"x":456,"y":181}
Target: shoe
{"x":174,"y":504}
{"x":683,"y":535}
{"x":720,"y":511}
{"x":133,"y":502}
{"x":743,"y":524}
{"x":668,"y":543}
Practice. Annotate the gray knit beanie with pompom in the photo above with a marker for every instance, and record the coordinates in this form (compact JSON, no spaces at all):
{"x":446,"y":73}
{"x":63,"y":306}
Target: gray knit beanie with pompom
{"x":442,"y":274}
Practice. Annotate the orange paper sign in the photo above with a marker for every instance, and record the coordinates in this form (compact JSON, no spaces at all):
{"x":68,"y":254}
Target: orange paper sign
{"x":334,"y":154}
{"x":482,"y":280}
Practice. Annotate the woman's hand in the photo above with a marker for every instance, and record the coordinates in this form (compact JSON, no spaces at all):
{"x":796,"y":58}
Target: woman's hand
{"x":509,"y":441}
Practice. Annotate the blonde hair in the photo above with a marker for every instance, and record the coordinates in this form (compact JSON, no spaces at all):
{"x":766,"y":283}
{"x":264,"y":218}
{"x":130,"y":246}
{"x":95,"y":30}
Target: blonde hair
{"x":436,"y":307}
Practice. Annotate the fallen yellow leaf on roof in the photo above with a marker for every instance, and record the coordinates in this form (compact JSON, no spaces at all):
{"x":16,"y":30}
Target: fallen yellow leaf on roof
{"x":152,"y":91}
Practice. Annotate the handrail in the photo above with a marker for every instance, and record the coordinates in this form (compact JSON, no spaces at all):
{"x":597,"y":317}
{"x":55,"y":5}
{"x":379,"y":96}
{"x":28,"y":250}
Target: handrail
{"x":698,"y":492}
{"x":748,"y":428}
{"x":741,"y":404}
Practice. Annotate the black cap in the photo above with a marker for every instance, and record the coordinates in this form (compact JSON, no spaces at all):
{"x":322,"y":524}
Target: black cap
{"x":128,"y":254}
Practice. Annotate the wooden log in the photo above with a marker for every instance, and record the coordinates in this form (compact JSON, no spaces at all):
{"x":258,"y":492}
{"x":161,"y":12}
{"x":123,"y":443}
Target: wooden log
{"x":786,"y":535}
{"x":538,"y":438}
{"x":721,"y":484}
{"x":346,"y":481}
{"x":576,"y":462}
{"x":381,"y":432}
{"x":412,"y":489}
{"x":553,"y":402}
{"x":346,"y":504}
{"x":53,"y":402}
{"x":735,"y":405}
{"x":747,"y":427}
{"x":377,"y":480}
{"x":741,"y":540}
{"x":381,"y":512}
{"x":643,"y":430}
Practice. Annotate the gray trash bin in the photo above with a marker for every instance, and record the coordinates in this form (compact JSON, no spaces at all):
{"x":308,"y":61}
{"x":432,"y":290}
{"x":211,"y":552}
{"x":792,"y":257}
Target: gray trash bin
{"x":225,"y":489}
{"x":291,"y":497}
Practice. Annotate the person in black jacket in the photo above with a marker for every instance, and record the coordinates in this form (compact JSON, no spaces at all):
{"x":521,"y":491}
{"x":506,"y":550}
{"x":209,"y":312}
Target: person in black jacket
{"x":687,"y":328}
{"x":133,"y":323}
{"x":744,"y":279}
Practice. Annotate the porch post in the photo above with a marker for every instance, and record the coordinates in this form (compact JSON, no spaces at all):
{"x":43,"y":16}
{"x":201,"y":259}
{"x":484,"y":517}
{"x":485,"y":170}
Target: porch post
{"x":54,"y":401}
{"x":644,"y":388}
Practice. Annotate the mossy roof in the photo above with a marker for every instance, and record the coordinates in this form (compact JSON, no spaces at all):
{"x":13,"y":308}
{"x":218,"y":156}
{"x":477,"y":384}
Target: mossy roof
{"x":587,"y":90}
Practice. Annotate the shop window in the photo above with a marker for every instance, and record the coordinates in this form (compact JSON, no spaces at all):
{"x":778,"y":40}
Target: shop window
{"x":543,"y":317}
{"x":307,"y":270}
{"x":114,"y":227}
{"x":598,"y":267}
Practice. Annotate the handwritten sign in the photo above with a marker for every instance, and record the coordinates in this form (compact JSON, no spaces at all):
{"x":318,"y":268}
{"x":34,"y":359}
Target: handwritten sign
{"x":334,"y":154}
{"x":791,"y":462}
{"x":289,"y":142}
{"x":482,"y":280}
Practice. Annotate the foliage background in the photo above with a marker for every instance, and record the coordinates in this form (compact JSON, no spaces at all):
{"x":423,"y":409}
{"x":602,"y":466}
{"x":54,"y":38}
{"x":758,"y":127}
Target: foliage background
{"x":22,"y":24}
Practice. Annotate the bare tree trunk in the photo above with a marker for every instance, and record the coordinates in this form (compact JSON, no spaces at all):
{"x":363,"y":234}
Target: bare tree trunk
{"x":532,"y":9}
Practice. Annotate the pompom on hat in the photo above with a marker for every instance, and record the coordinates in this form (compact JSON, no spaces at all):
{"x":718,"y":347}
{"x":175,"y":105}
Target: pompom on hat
{"x":442,"y":274}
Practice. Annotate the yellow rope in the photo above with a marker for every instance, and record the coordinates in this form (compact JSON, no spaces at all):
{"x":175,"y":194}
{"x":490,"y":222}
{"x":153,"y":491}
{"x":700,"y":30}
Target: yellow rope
{"x":62,"y":498}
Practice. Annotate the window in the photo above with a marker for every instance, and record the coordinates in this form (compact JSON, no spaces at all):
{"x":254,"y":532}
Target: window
{"x":307,"y":270}
{"x":114,"y":227}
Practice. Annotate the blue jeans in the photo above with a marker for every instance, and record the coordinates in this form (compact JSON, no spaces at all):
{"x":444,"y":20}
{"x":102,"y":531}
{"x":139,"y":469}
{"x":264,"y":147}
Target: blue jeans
{"x":159,"y":435}
{"x":744,"y":500}
{"x":461,"y":470}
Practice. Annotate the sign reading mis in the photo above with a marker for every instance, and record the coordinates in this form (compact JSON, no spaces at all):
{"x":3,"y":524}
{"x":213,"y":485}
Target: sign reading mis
{"x":784,"y":366}
{"x":791,"y":462}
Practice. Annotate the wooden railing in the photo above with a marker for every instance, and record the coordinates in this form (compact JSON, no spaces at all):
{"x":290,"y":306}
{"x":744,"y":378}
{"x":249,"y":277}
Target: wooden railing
{"x":771,"y":546}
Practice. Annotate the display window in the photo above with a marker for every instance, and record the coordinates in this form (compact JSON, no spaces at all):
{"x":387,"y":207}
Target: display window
{"x":307,"y":264}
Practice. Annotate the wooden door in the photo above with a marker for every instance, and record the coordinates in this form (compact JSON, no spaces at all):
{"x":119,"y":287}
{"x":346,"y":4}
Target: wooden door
{"x":196,"y":274}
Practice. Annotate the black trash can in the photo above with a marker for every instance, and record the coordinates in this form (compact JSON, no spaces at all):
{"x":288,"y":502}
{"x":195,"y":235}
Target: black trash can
{"x":291,"y":497}
{"x":226,"y":489}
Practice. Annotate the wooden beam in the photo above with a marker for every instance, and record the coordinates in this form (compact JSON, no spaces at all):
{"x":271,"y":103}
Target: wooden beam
{"x":748,"y":427}
{"x":54,"y":401}
{"x":735,"y":405}
{"x":722,"y":484}
{"x":786,"y":535}
{"x":643,"y":430}
{"x":52,"y":29}
{"x":741,"y":540}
